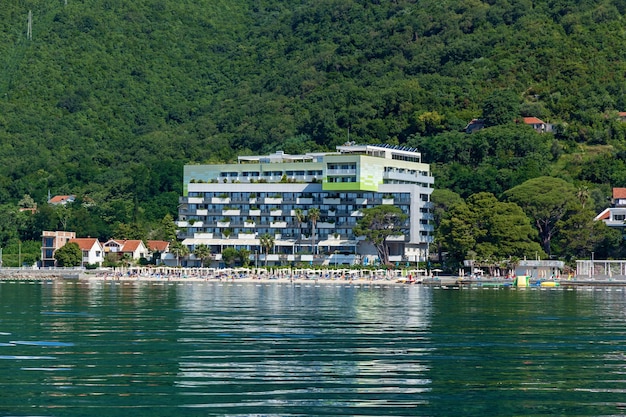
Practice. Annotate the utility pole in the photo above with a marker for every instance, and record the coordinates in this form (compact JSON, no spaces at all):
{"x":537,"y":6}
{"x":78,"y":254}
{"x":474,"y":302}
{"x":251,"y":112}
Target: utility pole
{"x":29,"y":29}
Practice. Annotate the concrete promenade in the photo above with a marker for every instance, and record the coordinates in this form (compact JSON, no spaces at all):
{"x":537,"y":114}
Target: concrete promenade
{"x":392,"y":277}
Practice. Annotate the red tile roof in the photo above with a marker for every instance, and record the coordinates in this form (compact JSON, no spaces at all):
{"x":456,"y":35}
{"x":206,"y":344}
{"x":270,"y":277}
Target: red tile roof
{"x":60,"y":199}
{"x":604,"y":215}
{"x":84,"y":243}
{"x":533,"y":121}
{"x":130,"y":245}
{"x":158,"y":245}
{"x":619,"y":192}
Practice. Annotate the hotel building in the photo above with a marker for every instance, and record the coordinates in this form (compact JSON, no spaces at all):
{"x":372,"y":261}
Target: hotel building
{"x":232,"y":205}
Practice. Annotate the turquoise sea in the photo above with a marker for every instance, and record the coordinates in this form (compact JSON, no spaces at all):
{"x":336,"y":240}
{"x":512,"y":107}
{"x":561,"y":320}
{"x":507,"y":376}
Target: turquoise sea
{"x":70,"y":348}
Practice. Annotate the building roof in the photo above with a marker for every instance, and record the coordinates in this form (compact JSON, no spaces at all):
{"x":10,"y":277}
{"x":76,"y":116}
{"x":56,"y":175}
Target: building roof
{"x":158,"y":245}
{"x":473,"y":125}
{"x":619,"y":192}
{"x":84,"y":243}
{"x":124,"y":245}
{"x":381,"y":150}
{"x":605,"y":215}
{"x":61,"y":199}
{"x":130,"y":245}
{"x":533,"y":121}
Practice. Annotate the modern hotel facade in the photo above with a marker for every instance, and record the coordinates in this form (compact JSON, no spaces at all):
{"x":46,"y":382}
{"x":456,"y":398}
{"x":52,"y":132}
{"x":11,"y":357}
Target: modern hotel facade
{"x":233,"y":205}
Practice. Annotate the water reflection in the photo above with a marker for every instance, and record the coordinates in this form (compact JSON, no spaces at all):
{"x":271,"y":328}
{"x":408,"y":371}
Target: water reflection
{"x":297,"y":347}
{"x":159,"y":349}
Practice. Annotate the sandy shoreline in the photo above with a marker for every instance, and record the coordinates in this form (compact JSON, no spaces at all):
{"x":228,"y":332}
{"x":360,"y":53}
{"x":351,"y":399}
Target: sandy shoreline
{"x":221,"y":278}
{"x":285,"y":279}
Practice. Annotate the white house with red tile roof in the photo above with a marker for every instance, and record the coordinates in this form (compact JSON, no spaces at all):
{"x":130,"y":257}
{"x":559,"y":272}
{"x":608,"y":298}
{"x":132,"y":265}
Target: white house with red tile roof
{"x":538,"y":124}
{"x":93,"y":252}
{"x":135,"y":248}
{"x":156,"y":249}
{"x":62,"y":199}
{"x":615,"y":215}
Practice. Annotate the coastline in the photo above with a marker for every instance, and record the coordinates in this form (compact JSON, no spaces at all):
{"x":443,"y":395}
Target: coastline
{"x":319,"y":278}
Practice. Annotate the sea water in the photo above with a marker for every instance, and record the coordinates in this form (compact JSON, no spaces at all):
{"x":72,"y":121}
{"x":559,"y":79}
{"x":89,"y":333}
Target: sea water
{"x":73,"y":348}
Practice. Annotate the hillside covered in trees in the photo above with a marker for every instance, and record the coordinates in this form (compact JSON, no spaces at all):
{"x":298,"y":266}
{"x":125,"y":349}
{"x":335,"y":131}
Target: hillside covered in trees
{"x":108,"y":99}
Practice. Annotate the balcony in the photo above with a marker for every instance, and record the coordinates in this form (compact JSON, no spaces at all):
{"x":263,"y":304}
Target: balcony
{"x":348,"y":171}
{"x":326,"y":225}
{"x":304,"y":200}
{"x":280,"y":224}
{"x":220,"y":200}
{"x":231,"y":212}
{"x":273,"y":200}
{"x":332,"y":200}
{"x":361,"y":201}
{"x":195,"y":200}
{"x":223,"y":223}
{"x":202,"y":212}
{"x":276,"y":212}
{"x":248,"y":223}
{"x":388,"y":201}
{"x":255,"y":212}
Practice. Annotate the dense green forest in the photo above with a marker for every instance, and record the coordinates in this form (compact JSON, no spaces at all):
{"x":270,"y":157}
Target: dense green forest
{"x":108,"y":99}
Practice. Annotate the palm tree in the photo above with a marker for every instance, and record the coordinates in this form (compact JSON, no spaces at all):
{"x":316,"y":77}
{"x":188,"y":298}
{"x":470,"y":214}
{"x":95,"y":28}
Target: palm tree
{"x":179,"y":250}
{"x":314,"y":216}
{"x":202,"y":252}
{"x":267,"y":243}
{"x":583,"y":194}
{"x":299,"y":214}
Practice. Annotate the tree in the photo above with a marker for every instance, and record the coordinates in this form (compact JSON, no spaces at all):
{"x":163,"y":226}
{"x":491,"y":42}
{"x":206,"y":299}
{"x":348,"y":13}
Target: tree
{"x":546,"y":200}
{"x":442,"y":200}
{"x":229,"y":255}
{"x":299,"y":215}
{"x":111,"y":260}
{"x":202,"y":252}
{"x":378,"y":224}
{"x":500,"y":108}
{"x":267,"y":242}
{"x":314,"y":216}
{"x":458,"y":234}
{"x":69,"y":255}
{"x":579,"y":235}
{"x":167,"y":228}
{"x":244,"y":256}
{"x":132,"y":231}
{"x":582,"y":193}
{"x":179,"y":250}
{"x":491,"y":230}
{"x":27,"y":202}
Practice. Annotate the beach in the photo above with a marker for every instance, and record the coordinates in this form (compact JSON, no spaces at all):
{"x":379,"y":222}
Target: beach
{"x":288,"y":276}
